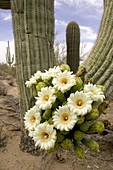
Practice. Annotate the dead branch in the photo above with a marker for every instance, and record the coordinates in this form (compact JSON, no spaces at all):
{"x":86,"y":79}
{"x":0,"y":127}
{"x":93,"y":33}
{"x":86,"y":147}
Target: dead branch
{"x":7,"y":123}
{"x":15,"y":115}
{"x":105,"y":159}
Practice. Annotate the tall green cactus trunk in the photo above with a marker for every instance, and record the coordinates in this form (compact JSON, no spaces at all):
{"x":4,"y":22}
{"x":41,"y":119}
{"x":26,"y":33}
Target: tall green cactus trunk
{"x":73,"y":43}
{"x":100,"y":61}
{"x":33,"y":27}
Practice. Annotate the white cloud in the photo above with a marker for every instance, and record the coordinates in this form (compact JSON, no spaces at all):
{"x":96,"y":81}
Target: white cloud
{"x":7,"y":18}
{"x":3,"y":45}
{"x":57,"y":4}
{"x":4,"y":16}
{"x":60,"y":22}
{"x":87,"y":33}
{"x":95,"y":3}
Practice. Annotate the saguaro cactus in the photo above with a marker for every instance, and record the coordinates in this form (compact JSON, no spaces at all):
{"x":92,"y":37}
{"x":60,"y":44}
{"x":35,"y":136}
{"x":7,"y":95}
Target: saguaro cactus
{"x":33,"y":26}
{"x":100,"y":61}
{"x":8,"y":56}
{"x":73,"y":43}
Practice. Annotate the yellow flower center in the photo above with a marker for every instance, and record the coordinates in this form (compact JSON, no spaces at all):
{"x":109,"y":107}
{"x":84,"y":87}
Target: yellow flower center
{"x":79,"y":103}
{"x":45,"y":136}
{"x":94,"y":92}
{"x":32,"y":119}
{"x":45,"y":98}
{"x":64,"y":81}
{"x":50,"y":73}
{"x":65,"y":118}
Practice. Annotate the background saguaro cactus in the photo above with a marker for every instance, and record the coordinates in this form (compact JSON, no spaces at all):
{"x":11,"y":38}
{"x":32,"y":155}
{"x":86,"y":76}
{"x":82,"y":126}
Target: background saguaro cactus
{"x":99,"y":64}
{"x":73,"y":43}
{"x":9,"y":60}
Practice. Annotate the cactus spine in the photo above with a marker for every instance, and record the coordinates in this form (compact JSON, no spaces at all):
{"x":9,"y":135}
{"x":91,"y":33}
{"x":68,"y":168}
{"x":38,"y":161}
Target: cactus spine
{"x":73,"y":43}
{"x":99,"y":64}
{"x":8,"y":56}
{"x":33,"y":27}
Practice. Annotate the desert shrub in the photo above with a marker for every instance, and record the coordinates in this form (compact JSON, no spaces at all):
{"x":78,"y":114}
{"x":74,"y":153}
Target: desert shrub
{"x":5,"y":68}
{"x":3,"y":90}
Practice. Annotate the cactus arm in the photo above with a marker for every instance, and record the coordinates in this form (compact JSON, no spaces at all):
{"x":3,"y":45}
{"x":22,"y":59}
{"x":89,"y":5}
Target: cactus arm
{"x":73,"y":43}
{"x":5,"y":4}
{"x":99,"y":64}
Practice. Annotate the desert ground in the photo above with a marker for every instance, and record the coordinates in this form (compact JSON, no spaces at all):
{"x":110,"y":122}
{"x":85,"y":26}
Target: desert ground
{"x":12,"y":158}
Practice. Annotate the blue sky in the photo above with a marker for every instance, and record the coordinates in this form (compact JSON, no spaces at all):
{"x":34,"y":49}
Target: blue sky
{"x":87,"y":13}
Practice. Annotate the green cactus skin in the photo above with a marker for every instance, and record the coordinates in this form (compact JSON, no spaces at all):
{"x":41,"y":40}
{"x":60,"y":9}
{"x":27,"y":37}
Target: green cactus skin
{"x":96,"y":127}
{"x":91,"y":144}
{"x":73,"y":43}
{"x":8,"y":56}
{"x":99,"y":64}
{"x":79,"y":151}
{"x":33,"y":27}
{"x":5,"y":4}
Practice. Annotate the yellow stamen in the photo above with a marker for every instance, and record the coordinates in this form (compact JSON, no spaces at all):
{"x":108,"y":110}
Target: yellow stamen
{"x":64,"y":81}
{"x":65,"y":118}
{"x":94,"y":92}
{"x":32,"y":119}
{"x":45,"y":98}
{"x":45,"y":136}
{"x":79,"y":103}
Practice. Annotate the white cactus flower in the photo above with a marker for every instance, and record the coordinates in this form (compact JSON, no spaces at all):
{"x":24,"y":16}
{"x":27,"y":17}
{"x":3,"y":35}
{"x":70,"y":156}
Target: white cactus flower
{"x":45,"y":136}
{"x":64,"y":119}
{"x":80,"y":103}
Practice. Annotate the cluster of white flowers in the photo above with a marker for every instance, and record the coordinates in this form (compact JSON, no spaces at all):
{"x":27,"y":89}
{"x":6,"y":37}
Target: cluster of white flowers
{"x":58,"y":107}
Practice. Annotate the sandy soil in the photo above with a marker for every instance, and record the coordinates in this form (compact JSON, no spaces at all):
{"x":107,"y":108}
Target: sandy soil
{"x":12,"y":158}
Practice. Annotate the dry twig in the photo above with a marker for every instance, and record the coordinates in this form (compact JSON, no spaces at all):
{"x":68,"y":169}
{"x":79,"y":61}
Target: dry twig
{"x":18,"y":128}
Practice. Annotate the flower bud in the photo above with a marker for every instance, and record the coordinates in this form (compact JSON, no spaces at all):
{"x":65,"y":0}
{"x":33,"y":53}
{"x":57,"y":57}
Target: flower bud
{"x":94,"y":114}
{"x":78,"y":135}
{"x":84,"y":126}
{"x":103,"y":88}
{"x":47,"y":114}
{"x":88,"y":80}
{"x":35,"y":94}
{"x":56,"y":147}
{"x":67,"y":144}
{"x":96,"y":127}
{"x":81,"y":71}
{"x":60,"y":96}
{"x":79,"y":151}
{"x":91,"y":144}
{"x":40,"y":85}
{"x":50,"y":121}
{"x":64,"y":132}
{"x":80,"y":120}
{"x":78,"y":85}
{"x":60,"y":137}
{"x":103,"y":106}
{"x":65,"y":67}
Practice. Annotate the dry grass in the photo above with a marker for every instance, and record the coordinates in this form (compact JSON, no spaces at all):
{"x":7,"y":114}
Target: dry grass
{"x":3,"y":90}
{"x":4,"y":69}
